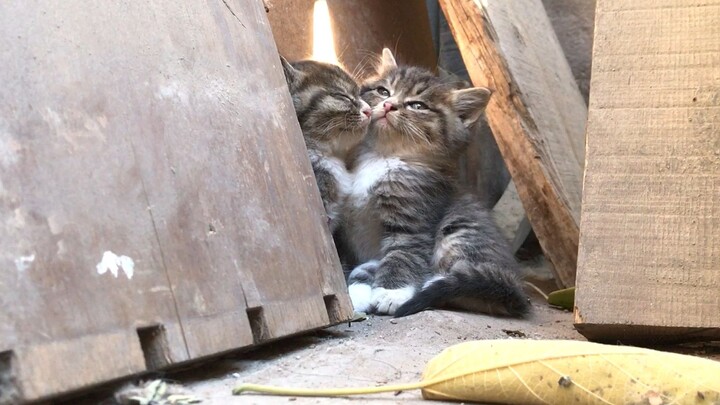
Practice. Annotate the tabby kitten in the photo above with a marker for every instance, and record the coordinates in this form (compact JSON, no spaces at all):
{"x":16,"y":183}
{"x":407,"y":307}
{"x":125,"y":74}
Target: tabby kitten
{"x":421,"y":242}
{"x":333,"y":119}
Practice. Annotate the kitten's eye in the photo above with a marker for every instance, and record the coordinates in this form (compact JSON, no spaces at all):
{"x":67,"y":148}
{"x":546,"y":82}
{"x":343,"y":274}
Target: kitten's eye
{"x":383,"y":91}
{"x":342,"y":96}
{"x":417,"y":105}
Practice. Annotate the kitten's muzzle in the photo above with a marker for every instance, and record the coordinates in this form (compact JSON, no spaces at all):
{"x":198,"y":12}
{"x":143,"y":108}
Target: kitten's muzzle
{"x":388,"y":106}
{"x":382,"y":113}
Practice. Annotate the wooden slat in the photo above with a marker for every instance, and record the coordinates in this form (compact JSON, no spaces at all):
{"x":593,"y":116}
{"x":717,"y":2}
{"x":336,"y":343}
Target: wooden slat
{"x":537,"y":113}
{"x":649,"y":261}
{"x":146,"y":130}
{"x":360,"y":30}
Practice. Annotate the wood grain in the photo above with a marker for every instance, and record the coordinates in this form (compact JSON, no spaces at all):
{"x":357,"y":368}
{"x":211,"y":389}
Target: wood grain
{"x":136,"y":129}
{"x":537,"y":114}
{"x":649,"y":261}
{"x":360,"y":29}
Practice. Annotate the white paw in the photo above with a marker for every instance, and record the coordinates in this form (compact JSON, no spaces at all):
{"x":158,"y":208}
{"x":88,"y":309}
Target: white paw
{"x":364,"y":273}
{"x":388,"y":301}
{"x":360,"y":296}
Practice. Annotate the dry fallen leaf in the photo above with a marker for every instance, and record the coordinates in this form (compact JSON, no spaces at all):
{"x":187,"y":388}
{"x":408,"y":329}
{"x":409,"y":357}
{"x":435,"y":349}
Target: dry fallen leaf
{"x":554,"y":372}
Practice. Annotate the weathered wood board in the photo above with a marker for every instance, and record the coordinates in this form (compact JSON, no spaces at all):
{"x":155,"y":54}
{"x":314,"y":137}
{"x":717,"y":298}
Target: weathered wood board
{"x":360,"y":31}
{"x":649,"y":260}
{"x":537,"y":113}
{"x":161,"y":132}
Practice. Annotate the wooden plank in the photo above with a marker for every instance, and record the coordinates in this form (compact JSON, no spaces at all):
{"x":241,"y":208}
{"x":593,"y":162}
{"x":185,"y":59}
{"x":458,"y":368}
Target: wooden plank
{"x":360,"y":31}
{"x":69,"y":191}
{"x":537,"y":113}
{"x":482,"y":170}
{"x":291,"y":22}
{"x":136,"y":129}
{"x":230,"y":201}
{"x":649,"y":260}
{"x":363,"y":28}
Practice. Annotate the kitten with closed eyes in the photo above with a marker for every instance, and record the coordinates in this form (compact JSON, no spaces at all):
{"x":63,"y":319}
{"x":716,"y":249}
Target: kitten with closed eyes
{"x":333,"y":119}
{"x":421,"y":242}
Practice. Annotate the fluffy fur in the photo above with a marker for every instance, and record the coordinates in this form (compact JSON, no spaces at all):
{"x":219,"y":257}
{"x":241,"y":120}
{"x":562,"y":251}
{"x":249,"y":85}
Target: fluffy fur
{"x":333,"y":119}
{"x":433,"y":246}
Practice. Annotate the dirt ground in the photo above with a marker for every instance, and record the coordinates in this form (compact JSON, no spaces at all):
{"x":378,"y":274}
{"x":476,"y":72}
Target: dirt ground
{"x":377,"y":351}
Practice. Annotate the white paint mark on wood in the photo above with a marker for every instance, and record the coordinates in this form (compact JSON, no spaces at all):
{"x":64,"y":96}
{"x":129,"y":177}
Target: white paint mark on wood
{"x":23,"y":263}
{"x":173,"y":91}
{"x":61,"y":248}
{"x":9,"y":147}
{"x":112,"y":263}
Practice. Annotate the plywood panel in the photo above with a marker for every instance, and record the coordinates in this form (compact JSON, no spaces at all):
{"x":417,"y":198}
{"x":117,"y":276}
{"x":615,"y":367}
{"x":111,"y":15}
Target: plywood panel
{"x":537,"y":114}
{"x":649,"y":261}
{"x":360,"y":29}
{"x":70,"y":189}
{"x":136,"y":129}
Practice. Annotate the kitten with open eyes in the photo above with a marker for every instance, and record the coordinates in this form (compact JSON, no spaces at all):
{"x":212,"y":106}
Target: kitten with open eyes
{"x":421,"y":242}
{"x":333,"y":119}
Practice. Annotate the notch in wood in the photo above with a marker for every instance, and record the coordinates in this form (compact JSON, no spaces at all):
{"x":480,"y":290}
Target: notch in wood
{"x":332,"y":306}
{"x":9,"y":391}
{"x":154,"y":344}
{"x":258,"y":324}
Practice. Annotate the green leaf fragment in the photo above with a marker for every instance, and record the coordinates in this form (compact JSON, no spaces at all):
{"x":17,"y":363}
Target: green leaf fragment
{"x":563,"y":298}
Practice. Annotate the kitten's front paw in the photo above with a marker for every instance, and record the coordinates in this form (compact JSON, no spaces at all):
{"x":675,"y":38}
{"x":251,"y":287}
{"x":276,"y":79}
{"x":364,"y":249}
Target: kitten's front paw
{"x":386,"y":302}
{"x":360,"y":295}
{"x":359,"y":285}
{"x":364,"y":273}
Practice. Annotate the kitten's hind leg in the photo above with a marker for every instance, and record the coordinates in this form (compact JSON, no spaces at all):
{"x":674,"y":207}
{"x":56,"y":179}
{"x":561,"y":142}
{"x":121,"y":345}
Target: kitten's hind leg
{"x":476,"y":270}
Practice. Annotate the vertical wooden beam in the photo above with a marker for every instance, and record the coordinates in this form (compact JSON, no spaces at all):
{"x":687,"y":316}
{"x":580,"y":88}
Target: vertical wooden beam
{"x":537,"y":113}
{"x":649,"y":260}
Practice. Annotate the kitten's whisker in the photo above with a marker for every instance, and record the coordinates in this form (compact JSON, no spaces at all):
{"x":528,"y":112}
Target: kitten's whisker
{"x":369,"y":57}
{"x":418,"y":133}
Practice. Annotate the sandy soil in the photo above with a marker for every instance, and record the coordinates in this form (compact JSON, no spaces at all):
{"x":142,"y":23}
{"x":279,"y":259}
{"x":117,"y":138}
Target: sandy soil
{"x":378,"y":351}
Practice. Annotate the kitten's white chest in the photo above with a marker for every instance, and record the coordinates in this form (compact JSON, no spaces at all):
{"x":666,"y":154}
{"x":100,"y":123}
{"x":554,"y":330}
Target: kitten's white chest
{"x":336,"y":167}
{"x":363,"y":221}
{"x":368,"y":173}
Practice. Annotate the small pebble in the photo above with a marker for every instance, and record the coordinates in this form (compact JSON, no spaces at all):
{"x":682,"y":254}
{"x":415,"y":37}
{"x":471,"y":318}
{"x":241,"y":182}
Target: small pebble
{"x":236,"y":375}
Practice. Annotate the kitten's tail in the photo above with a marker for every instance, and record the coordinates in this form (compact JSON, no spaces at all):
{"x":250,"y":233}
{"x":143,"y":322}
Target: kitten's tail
{"x":485,"y":288}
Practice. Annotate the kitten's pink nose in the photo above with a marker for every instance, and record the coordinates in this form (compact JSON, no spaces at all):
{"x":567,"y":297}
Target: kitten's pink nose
{"x":388,"y":106}
{"x":367,"y":112}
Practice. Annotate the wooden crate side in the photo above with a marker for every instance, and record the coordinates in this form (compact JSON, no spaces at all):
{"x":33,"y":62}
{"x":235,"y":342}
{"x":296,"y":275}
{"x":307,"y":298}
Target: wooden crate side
{"x":537,"y":114}
{"x":649,"y":261}
{"x":81,"y":266}
{"x":138,"y":131}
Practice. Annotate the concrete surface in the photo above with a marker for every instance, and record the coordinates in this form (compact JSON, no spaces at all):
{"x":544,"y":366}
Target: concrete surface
{"x":378,"y":351}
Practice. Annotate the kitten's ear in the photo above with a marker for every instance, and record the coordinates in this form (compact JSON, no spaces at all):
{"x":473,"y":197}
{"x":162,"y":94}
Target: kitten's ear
{"x":292,"y":75}
{"x":387,"y":61}
{"x":470,"y":103}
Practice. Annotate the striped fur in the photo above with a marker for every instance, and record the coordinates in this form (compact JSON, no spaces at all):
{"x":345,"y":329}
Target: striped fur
{"x":433,"y":246}
{"x":333,"y":119}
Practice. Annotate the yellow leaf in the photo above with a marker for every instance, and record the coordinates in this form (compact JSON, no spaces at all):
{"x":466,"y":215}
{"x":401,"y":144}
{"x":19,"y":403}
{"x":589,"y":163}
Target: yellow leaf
{"x":530,"y":372}
{"x":568,"y":372}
